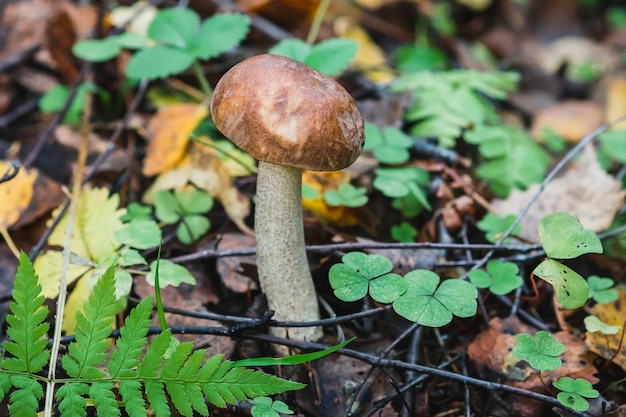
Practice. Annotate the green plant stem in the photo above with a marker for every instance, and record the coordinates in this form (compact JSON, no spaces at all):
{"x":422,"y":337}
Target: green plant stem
{"x":317,"y":22}
{"x":539,"y":374}
{"x":157,"y":292}
{"x":206,"y":88}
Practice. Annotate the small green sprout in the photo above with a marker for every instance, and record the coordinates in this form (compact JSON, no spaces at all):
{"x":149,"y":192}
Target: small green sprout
{"x":346,"y":195}
{"x":494,"y":226}
{"x":57,"y":95}
{"x":138,"y":211}
{"x":541,"y":351}
{"x":360,"y":274}
{"x":410,"y":57}
{"x":594,"y":324}
{"x":563,"y":237}
{"x":389,"y":145}
{"x":404,"y":232}
{"x":600,"y":289}
{"x":406,"y":186}
{"x":187,"y":207}
{"x":500,"y":277}
{"x":139,"y":233}
{"x":574,"y":392}
{"x":179,"y":38}
{"x":432,"y":304}
{"x":330,"y":57}
{"x":265,"y":407}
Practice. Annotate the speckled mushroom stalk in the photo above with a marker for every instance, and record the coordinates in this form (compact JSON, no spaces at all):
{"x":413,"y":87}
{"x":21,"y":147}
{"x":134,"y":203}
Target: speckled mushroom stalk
{"x":289,"y":117}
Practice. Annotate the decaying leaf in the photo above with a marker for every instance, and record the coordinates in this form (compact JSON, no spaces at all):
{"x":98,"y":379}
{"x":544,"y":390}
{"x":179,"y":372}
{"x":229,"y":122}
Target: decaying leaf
{"x":15,"y":194}
{"x":585,"y":190}
{"x":606,"y":345}
{"x":170,"y":128}
{"x":571,"y":120}
{"x":231,"y":268}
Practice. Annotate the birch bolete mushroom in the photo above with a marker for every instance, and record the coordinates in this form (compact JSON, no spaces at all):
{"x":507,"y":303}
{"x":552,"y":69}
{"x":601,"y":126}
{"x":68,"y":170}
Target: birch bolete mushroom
{"x":289,"y":117}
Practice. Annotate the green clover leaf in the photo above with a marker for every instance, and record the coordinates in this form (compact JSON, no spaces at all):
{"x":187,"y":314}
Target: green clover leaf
{"x":329,"y":57}
{"x":389,"y":144}
{"x":540,"y":351}
{"x":346,"y":195}
{"x":139,"y":234}
{"x":170,"y":274}
{"x":563,"y":237}
{"x":501,"y":277}
{"x":494,"y":226}
{"x":594,"y":324}
{"x":570,"y":287}
{"x":573,"y":392}
{"x":430,"y":304}
{"x":600,"y":289}
{"x":361,"y":273}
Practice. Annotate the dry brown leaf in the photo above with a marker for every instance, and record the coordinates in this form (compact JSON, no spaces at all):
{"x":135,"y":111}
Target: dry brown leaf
{"x":605,"y":345}
{"x":585,"y":190}
{"x":15,"y":194}
{"x":230,"y":267}
{"x":577,"y":50}
{"x":616,"y":101}
{"x":571,"y":119}
{"x":170,"y":128}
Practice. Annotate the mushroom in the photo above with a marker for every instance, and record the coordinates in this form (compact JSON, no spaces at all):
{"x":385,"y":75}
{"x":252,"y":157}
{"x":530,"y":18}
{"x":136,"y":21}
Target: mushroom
{"x":289,"y":117}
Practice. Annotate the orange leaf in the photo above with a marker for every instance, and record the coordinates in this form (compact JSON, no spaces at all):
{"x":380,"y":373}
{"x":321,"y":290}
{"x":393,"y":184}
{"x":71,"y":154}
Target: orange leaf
{"x":170,"y":128}
{"x":605,"y":345}
{"x":616,"y":102}
{"x":15,"y":194}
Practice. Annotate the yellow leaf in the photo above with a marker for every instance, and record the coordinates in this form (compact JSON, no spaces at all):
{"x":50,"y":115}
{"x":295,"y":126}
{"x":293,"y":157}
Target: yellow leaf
{"x":606,"y":345}
{"x":15,"y":194}
{"x":97,"y":218}
{"x":170,"y":128}
{"x":48,"y":267}
{"x":370,"y":58}
{"x":616,"y":102}
{"x":75,"y":302}
{"x":322,"y":181}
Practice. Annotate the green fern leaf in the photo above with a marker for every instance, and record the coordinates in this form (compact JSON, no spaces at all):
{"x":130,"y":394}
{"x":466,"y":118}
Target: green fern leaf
{"x":131,"y":341}
{"x":158,"y":401}
{"x":24,"y":401}
{"x":5,"y":384}
{"x":93,"y":327}
{"x":104,"y":399}
{"x":27,"y":329}
{"x":149,"y":367}
{"x":72,"y":396}
{"x":133,"y":398}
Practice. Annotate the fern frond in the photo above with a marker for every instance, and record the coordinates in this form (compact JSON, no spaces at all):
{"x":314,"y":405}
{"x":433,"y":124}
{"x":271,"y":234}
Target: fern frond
{"x":72,"y":395}
{"x":133,"y":398}
{"x":26,"y":323}
{"x":24,"y":400}
{"x":155,"y":391}
{"x":104,"y":399}
{"x":93,"y":327}
{"x":131,"y":341}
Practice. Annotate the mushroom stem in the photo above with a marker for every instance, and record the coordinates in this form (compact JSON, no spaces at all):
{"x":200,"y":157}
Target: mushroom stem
{"x":281,"y":256}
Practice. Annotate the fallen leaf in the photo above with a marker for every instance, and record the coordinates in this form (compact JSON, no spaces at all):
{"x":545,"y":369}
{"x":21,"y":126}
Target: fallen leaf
{"x":476,"y":5}
{"x":616,"y":102}
{"x":170,"y":128}
{"x":230,"y":267}
{"x":15,"y":194}
{"x":320,"y":182}
{"x":571,"y":120}
{"x":491,"y":352}
{"x":370,"y":58}
{"x":141,"y":12}
{"x":585,"y":190}
{"x":606,"y":345}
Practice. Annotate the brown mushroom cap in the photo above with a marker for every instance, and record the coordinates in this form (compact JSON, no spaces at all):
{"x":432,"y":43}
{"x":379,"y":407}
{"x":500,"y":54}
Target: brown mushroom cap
{"x":283,"y":112}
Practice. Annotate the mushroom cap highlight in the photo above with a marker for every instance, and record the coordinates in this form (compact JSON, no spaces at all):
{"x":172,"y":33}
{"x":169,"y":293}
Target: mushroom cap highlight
{"x":283,"y":112}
